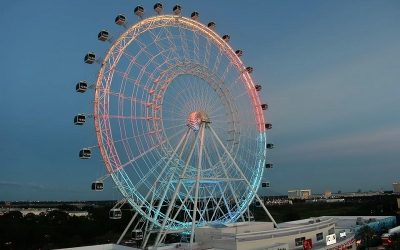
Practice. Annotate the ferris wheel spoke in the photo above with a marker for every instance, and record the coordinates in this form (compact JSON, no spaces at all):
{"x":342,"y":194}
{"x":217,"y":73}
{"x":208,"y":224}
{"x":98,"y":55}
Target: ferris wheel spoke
{"x":130,"y":117}
{"x":141,"y":155}
{"x":211,"y":199}
{"x":135,"y":137}
{"x":225,"y":171}
{"x":184,"y":45}
{"x":152,"y":171}
{"x":244,"y":177}
{"x":217,"y":61}
{"x":150,"y":150}
{"x":149,"y":173}
{"x":198,"y":176}
{"x":156,"y":39}
{"x":221,"y":199}
{"x":183,"y":173}
{"x":167,"y":163}
{"x":226,"y":71}
{"x":196,"y":47}
{"x":133,"y":59}
{"x":234,"y":84}
{"x":182,"y":206}
{"x":184,"y":141}
{"x":241,"y":95}
{"x":171,"y":38}
{"x":207,"y":52}
{"x":174,"y":127}
{"x":226,"y":176}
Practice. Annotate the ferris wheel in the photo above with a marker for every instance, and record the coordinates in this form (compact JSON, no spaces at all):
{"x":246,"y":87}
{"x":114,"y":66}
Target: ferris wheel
{"x":179,"y":122}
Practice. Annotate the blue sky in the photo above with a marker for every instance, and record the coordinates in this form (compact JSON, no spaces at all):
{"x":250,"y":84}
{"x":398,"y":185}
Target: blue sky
{"x":330,"y":73}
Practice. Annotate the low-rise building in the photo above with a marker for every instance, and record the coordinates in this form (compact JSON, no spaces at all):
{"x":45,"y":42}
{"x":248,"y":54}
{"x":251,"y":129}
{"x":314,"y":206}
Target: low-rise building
{"x":396,"y":187}
{"x":299,"y":194}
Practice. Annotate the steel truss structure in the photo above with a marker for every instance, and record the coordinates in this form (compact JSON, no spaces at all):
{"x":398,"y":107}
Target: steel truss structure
{"x":180,"y":125}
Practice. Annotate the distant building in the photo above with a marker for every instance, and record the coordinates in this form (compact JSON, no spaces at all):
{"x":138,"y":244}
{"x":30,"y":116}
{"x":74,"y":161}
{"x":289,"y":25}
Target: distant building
{"x":396,"y":187}
{"x":78,"y":213}
{"x":299,"y":194}
{"x":327,"y":194}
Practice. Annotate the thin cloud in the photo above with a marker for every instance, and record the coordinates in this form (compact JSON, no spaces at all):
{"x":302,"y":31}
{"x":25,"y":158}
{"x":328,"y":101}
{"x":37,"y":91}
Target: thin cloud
{"x":34,"y":186}
{"x":383,"y":140}
{"x":21,"y":185}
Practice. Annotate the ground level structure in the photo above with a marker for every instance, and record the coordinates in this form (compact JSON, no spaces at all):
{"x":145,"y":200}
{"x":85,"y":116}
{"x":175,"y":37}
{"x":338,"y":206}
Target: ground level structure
{"x":326,"y":232}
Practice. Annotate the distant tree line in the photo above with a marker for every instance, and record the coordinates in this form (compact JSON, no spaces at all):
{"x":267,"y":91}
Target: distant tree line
{"x":57,"y":229}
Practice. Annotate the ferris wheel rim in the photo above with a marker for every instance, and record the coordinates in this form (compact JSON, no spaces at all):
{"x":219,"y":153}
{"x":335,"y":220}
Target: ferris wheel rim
{"x":177,"y":20}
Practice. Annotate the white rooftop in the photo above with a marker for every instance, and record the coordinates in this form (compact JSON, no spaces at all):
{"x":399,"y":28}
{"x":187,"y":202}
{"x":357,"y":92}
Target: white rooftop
{"x":102,"y":247}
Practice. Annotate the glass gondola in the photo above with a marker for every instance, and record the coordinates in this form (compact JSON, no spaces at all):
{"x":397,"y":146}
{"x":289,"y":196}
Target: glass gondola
{"x":194,"y":15}
{"x":81,"y":86}
{"x":177,"y":9}
{"x":97,"y":186}
{"x":115,"y":214}
{"x":103,"y":35}
{"x":120,"y":19}
{"x":90,"y":58}
{"x":85,"y":153}
{"x":79,"y":119}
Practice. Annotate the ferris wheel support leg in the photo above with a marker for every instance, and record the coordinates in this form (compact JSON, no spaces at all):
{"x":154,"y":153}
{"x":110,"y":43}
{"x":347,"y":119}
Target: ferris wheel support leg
{"x":184,"y":141}
{"x":127,"y":227}
{"x":244,"y":177}
{"x":227,"y":176}
{"x":169,"y":160}
{"x":218,"y":202}
{"x":166,"y":165}
{"x":148,"y":228}
{"x":172,"y":202}
{"x":179,"y":210}
{"x":172,"y":175}
{"x":196,"y":197}
{"x":146,"y":239}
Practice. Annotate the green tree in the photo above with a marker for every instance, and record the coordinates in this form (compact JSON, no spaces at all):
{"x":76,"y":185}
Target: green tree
{"x":366,"y":234}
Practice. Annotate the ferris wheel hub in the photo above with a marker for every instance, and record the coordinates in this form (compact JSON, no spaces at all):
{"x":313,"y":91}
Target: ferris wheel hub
{"x":195,"y":119}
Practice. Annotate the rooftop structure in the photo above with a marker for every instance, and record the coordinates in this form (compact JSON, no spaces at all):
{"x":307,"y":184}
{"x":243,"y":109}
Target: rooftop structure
{"x":396,"y":187}
{"x":299,"y":194}
{"x":101,"y":247}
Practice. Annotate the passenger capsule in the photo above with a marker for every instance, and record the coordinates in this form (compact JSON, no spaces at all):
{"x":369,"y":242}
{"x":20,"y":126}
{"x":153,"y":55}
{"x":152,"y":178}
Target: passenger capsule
{"x":211,"y":25}
{"x":269,"y":165}
{"x":258,"y":87}
{"x":158,"y":8}
{"x":270,"y":146}
{"x":90,"y":58}
{"x":264,"y":106}
{"x":268,"y":126}
{"x":85,"y":153}
{"x":177,"y":9}
{"x":103,"y":35}
{"x":195,"y":15}
{"x":81,"y":87}
{"x":115,"y":213}
{"x":137,"y":234}
{"x":97,"y":186}
{"x":120,"y":19}
{"x":239,"y":52}
{"x":79,"y":119}
{"x":139,"y":11}
{"x":226,"y":38}
{"x":249,"y":69}
{"x":265,"y":184}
